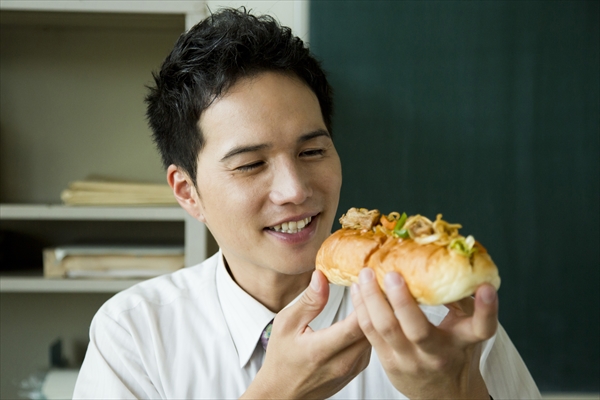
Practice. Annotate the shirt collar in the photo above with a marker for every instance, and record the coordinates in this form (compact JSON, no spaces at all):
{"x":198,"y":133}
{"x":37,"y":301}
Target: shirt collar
{"x":246,"y":317}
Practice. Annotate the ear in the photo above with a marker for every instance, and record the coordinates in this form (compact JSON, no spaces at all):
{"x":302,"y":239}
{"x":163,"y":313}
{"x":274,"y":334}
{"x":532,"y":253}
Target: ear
{"x":185,"y":192}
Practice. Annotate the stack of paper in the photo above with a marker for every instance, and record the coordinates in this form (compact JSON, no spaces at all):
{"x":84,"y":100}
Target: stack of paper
{"x":91,"y":192}
{"x":112,"y":261}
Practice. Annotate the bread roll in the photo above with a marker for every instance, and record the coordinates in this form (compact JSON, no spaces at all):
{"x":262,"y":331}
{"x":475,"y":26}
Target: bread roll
{"x":434,"y":273}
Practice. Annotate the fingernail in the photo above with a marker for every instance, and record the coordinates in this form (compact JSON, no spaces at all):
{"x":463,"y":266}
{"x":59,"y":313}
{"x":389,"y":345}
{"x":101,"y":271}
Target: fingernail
{"x":393,"y":280}
{"x":488,"y":296}
{"x":366,"y":275}
{"x":314,"y":282}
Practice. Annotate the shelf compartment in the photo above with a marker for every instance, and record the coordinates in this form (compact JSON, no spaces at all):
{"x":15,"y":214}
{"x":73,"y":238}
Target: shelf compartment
{"x":60,"y":224}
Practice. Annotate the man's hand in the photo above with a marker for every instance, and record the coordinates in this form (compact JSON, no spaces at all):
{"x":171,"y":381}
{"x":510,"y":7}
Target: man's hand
{"x":301,"y":363}
{"x":420,"y":359}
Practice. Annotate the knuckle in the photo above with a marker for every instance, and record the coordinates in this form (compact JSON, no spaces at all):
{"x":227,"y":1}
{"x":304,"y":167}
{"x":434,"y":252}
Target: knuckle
{"x":366,"y":325}
{"x":364,"y":360}
{"x":314,"y":354}
{"x":420,"y":335}
{"x":308,"y":300}
{"x":389,"y":329}
{"x":349,"y":366}
{"x":363,"y":364}
{"x":485,"y":334}
{"x":439,"y":364}
{"x":351,"y":335}
{"x":484,"y":331}
{"x":393,"y":367}
{"x":343,"y":368}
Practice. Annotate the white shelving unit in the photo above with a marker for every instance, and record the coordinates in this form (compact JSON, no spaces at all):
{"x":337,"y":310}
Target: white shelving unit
{"x":73,"y":82}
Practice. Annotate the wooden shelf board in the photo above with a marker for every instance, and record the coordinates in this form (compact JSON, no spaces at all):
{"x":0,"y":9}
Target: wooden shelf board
{"x":62,"y":212}
{"x":36,"y":284}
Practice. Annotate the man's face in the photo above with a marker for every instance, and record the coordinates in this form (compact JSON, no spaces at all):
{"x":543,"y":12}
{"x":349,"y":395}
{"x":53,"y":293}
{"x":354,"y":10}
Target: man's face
{"x":268,"y":162}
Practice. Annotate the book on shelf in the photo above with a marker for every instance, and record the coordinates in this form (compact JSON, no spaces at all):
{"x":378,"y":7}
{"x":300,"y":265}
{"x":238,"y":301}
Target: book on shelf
{"x":98,"y":261}
{"x":101,"y":192}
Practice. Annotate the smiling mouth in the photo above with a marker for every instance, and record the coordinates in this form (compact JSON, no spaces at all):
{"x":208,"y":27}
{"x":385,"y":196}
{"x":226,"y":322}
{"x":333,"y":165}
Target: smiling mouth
{"x":292,"y":226}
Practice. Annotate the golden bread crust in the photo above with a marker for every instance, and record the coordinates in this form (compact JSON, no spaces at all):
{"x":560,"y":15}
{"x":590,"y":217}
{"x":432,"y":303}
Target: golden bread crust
{"x":343,"y":254}
{"x":434,"y":274}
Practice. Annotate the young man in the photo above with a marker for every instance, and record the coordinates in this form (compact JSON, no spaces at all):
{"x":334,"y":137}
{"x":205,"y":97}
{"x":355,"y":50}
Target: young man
{"x":241,"y":113}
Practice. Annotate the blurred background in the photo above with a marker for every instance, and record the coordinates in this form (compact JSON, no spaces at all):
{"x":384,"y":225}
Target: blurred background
{"x":485,"y":111}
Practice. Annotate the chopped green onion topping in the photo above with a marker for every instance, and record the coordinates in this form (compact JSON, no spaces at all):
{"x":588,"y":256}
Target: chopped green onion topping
{"x":402,"y":233}
{"x":463,"y":245}
{"x":398,"y":231}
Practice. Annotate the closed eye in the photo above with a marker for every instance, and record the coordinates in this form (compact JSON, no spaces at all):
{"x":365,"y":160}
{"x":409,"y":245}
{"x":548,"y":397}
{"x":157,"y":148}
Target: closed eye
{"x":250,"y":167}
{"x":312,"y":152}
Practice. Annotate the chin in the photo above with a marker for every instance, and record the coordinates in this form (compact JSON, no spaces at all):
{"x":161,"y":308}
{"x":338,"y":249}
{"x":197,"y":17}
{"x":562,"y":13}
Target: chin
{"x":292,"y":265}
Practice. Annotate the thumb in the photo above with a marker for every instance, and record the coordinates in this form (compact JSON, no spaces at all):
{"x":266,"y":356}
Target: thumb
{"x":312,"y":302}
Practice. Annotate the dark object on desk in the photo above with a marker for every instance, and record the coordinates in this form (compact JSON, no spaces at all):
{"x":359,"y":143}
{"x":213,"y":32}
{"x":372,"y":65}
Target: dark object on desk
{"x":57,"y":358}
{"x":19,"y":251}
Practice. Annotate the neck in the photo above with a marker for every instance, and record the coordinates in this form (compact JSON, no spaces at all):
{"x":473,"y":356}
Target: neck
{"x":272,"y":289}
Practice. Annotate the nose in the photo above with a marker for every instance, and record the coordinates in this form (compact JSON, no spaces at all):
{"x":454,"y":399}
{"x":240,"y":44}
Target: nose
{"x":290,"y":184}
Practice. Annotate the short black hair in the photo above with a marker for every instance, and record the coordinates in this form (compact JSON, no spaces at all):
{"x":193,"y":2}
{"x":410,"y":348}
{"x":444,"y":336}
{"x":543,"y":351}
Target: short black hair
{"x":209,"y":59}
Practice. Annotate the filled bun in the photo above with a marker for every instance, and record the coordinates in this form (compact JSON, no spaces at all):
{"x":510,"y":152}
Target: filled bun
{"x":439,"y":266}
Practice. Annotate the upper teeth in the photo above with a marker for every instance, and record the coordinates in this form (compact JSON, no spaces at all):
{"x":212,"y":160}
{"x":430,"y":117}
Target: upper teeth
{"x":292,"y":226}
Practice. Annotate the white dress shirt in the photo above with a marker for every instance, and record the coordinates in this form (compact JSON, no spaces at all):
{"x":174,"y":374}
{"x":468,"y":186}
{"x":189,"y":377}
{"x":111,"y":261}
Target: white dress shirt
{"x":194,"y":334}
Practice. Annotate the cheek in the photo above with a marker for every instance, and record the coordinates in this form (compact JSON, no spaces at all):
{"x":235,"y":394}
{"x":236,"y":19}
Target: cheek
{"x":331,"y":178}
{"x":230,"y":200}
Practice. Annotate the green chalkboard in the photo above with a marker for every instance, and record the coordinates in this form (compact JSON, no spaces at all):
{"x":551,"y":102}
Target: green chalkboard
{"x":486,"y":112}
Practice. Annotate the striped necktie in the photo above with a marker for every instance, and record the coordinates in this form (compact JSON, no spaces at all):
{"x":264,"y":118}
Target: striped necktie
{"x":266,"y":334}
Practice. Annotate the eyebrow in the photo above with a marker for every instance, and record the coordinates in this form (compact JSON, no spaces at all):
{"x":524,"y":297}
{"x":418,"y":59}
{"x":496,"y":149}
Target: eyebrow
{"x":249,"y":149}
{"x":312,"y":135}
{"x":243,"y":149}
